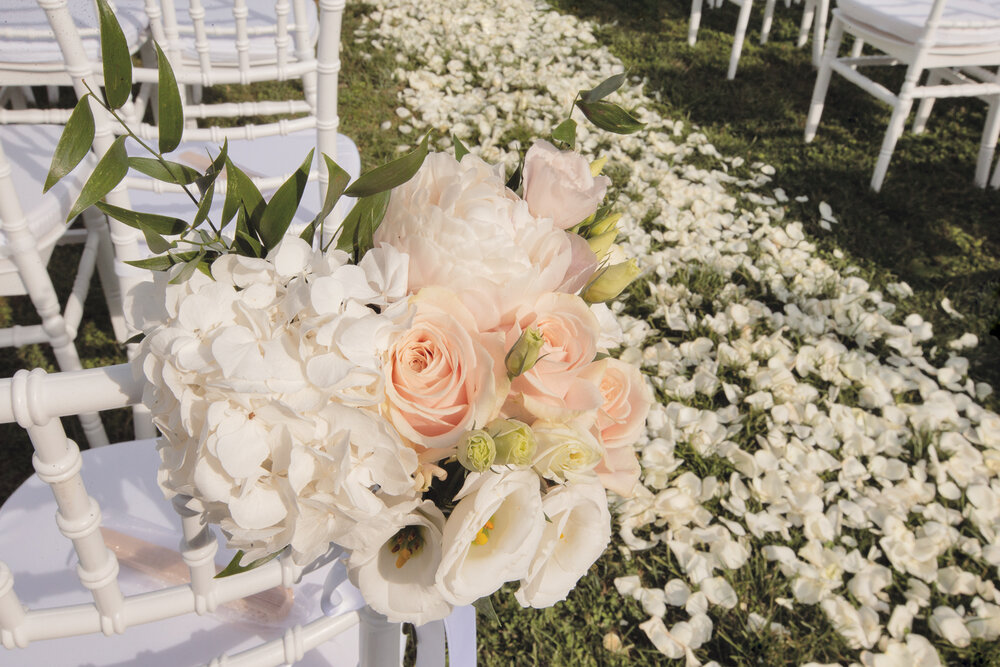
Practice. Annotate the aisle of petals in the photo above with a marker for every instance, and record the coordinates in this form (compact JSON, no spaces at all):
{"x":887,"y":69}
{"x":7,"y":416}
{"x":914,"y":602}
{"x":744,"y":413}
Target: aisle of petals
{"x":800,"y":421}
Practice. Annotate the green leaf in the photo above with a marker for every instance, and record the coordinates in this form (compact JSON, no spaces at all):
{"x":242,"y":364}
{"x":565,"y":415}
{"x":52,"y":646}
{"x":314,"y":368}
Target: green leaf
{"x":170,"y":115}
{"x":604,"y":88}
{"x":566,"y":132}
{"x":390,"y":175}
{"x":234,"y":566}
{"x":76,"y":140}
{"x":163,"y":262}
{"x":135,"y":339}
{"x":360,"y":224}
{"x":245,"y":243}
{"x":171,"y":172}
{"x":514,"y":182}
{"x":157,"y":244}
{"x":115,"y":56}
{"x":610,"y":117}
{"x":204,"y":206}
{"x":109,"y":172}
{"x":240,"y":191}
{"x":161,"y":224}
{"x":213,"y":171}
{"x":338,"y":180}
{"x":485,"y":607}
{"x":279,"y":212}
{"x":190,"y":267}
{"x":460,"y":149}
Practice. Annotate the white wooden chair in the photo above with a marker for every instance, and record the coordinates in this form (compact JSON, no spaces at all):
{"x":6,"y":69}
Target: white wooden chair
{"x":814,"y":14}
{"x":269,"y":152}
{"x":31,"y":225}
{"x":55,"y":613}
{"x":944,"y":35}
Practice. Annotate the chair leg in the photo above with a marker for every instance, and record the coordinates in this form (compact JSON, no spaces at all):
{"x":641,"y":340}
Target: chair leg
{"x":808,"y":14}
{"x":741,"y":31}
{"x":926,"y":104}
{"x":765,"y":29}
{"x":96,"y":224}
{"x":694,"y":22}
{"x":995,"y":181}
{"x":823,"y":80}
{"x":819,"y":35}
{"x":895,"y":130}
{"x":991,"y":133}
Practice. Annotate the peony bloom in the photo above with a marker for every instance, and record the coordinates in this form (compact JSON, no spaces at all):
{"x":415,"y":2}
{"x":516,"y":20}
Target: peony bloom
{"x":491,"y":536}
{"x":465,"y":230}
{"x":396,"y":572}
{"x":620,"y":421}
{"x":558,"y":185}
{"x":578,"y":531}
{"x":564,"y":382}
{"x":443,"y":377}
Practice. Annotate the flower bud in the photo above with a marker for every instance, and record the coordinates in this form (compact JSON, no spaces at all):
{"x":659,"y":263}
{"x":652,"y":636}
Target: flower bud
{"x":604,"y":225}
{"x":514,"y":440}
{"x":599,"y":244}
{"x":597,"y":165}
{"x":476,"y":450}
{"x":524,"y":353}
{"x":610,"y":282}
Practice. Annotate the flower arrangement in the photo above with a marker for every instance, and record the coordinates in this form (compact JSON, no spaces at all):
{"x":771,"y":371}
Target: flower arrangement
{"x":432,"y":390}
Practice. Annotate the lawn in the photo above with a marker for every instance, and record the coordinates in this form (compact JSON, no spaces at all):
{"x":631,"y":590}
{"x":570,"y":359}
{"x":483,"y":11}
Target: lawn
{"x":722,"y":197}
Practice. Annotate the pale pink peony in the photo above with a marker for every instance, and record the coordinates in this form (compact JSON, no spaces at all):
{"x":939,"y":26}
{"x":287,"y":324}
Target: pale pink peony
{"x":564,"y":382}
{"x":620,"y":420}
{"x":443,"y":378}
{"x":465,"y":230}
{"x":558,"y":185}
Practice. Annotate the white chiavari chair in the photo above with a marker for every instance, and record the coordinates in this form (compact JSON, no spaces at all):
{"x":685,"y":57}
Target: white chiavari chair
{"x":104,"y":611}
{"x":31,"y":225}
{"x":814,"y":14}
{"x":944,"y":35}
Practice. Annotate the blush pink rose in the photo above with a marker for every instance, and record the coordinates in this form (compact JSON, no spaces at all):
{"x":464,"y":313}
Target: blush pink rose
{"x":443,"y":378}
{"x":620,"y":420}
{"x":564,"y":382}
{"x":558,"y":185}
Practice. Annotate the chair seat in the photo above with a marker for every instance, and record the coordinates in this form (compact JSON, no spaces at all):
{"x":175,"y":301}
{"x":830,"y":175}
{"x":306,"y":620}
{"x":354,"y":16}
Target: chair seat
{"x":905,"y":19}
{"x":29,"y":149}
{"x":41,"y":47}
{"x":261,"y":19}
{"x":261,"y":157}
{"x":122,"y":478}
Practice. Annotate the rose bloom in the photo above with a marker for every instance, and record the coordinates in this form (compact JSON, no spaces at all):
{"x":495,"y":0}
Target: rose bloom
{"x":620,"y":420}
{"x":558,"y":185}
{"x":464,"y":229}
{"x":443,"y":378}
{"x":564,"y":382}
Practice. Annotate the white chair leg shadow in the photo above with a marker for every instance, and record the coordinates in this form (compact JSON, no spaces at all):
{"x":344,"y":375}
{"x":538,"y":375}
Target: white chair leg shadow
{"x":73,"y":594}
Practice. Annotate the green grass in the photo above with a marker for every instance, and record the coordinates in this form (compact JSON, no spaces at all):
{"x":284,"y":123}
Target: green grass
{"x":929,"y":226}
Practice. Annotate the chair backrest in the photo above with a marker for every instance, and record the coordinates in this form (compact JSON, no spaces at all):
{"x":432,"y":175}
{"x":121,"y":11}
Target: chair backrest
{"x":36,"y":401}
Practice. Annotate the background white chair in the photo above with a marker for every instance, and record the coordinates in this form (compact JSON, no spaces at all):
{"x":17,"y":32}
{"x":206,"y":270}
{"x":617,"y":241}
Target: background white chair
{"x":814,"y":13}
{"x":31,"y":225}
{"x":52,"y":613}
{"x":922,"y":35}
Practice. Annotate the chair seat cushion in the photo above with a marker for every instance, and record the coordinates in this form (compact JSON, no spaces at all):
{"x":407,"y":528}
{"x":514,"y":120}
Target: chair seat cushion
{"x":27,"y":37}
{"x":122,"y":478}
{"x":905,"y":19}
{"x":261,"y":22}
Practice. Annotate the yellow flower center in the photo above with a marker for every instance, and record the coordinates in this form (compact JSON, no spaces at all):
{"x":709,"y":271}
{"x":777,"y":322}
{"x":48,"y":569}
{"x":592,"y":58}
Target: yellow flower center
{"x":483,"y":536}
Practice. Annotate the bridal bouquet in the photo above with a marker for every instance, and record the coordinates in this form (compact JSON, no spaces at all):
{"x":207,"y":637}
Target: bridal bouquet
{"x":432,"y":391}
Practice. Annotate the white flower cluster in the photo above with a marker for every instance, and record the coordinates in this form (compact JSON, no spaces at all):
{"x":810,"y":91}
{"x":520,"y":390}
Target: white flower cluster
{"x":870,"y":481}
{"x":259,"y":381}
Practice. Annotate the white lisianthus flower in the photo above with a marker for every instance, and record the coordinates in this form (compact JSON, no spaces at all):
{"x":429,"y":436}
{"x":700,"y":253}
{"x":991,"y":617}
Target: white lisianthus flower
{"x":491,"y":536}
{"x":396,"y":572}
{"x":565,"y":451}
{"x":576,"y":534}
